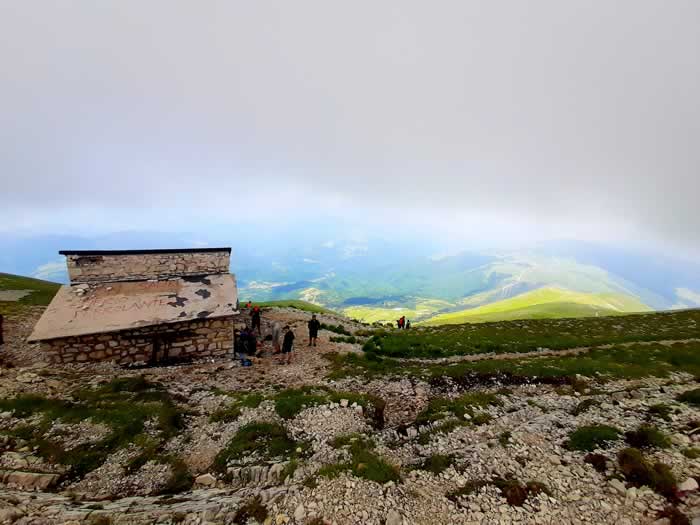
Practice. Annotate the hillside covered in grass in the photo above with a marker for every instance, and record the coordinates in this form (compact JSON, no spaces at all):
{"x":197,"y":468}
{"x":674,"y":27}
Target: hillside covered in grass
{"x":531,"y":335}
{"x":16,"y":290}
{"x":546,"y":303}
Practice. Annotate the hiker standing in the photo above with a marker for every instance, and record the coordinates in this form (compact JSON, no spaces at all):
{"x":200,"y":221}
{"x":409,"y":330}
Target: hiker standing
{"x":314,"y":327}
{"x":398,"y":324}
{"x":255,"y":317}
{"x":408,"y":324}
{"x":287,"y":344}
{"x":237,"y":345}
{"x":276,"y":336}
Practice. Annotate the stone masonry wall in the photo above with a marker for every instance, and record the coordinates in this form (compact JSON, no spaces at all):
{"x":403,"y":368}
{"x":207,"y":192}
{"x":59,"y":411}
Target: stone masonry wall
{"x":139,"y":267}
{"x":199,"y":338}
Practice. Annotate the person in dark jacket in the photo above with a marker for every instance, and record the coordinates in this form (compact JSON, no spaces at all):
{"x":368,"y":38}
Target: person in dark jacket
{"x":255,"y":317}
{"x":314,"y":327}
{"x":287,"y":345}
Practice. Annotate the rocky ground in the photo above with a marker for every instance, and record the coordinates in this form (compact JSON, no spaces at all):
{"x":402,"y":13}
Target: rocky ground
{"x":357,"y":451}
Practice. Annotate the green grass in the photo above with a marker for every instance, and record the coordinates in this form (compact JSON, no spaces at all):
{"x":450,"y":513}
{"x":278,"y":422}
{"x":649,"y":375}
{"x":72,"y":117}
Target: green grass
{"x":545,"y":303}
{"x":293,"y":303}
{"x":42,"y":292}
{"x":639,"y":472}
{"x":336,"y":328}
{"x":591,"y":437}
{"x":289,"y":402}
{"x":511,"y":489}
{"x":232,"y":411}
{"x":364,"y":463}
{"x":647,"y":436}
{"x":531,"y":335}
{"x":124,"y":405}
{"x":661,"y":411}
{"x":259,"y":441}
{"x":437,"y":463}
{"x":441,"y":429}
{"x":691,"y":452}
{"x":416,"y":310}
{"x":632,"y":362}
{"x":691,"y":397}
{"x":440,"y":408}
{"x":584,"y":406}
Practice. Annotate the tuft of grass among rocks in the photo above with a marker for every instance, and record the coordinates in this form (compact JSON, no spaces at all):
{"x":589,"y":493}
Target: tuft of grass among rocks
{"x":584,"y":406}
{"x":661,"y":410}
{"x":436,"y":463}
{"x":647,"y":436}
{"x":691,"y":397}
{"x":639,"y":472}
{"x":363,"y":463}
{"x":252,"y":509}
{"x":123,"y":404}
{"x":511,"y":489}
{"x":589,"y":438}
{"x":257,"y":442}
{"x":289,"y":402}
{"x":439,"y":408}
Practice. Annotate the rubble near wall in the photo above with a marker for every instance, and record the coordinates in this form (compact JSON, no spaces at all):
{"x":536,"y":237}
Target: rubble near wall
{"x":199,"y":338}
{"x":138,"y":267}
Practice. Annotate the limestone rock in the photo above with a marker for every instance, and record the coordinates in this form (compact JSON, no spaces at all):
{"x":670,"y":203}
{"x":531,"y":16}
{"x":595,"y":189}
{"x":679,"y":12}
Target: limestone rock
{"x":688,"y":485}
{"x":205,"y":479}
{"x":393,"y":518}
{"x":618,"y":486}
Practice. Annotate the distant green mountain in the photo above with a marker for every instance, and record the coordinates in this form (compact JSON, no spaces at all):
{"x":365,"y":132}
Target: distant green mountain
{"x":546,"y":303}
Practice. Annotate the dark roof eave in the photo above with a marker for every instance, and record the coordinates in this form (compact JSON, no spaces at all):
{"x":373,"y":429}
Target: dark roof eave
{"x":143,"y":252}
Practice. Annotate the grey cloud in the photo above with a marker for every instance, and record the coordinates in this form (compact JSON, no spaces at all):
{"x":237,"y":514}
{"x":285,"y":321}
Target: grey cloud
{"x":552,"y":111}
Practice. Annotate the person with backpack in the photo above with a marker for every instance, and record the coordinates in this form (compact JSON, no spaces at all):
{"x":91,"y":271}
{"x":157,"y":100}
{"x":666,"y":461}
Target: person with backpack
{"x":287,"y":344}
{"x":255,"y":317}
{"x":314,"y":327}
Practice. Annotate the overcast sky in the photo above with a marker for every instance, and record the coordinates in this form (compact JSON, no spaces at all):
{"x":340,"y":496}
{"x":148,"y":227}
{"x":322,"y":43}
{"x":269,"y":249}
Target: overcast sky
{"x":538,"y":119}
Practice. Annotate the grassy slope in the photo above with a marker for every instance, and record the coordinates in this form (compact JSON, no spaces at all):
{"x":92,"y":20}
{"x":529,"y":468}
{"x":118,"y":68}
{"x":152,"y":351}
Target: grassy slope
{"x":293,"y":303}
{"x":545,"y":303}
{"x":43,"y":291}
{"x":422,"y":309}
{"x":529,"y":335}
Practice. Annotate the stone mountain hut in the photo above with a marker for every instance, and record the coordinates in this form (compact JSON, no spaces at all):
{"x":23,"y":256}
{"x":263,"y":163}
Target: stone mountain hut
{"x":141,"y":306}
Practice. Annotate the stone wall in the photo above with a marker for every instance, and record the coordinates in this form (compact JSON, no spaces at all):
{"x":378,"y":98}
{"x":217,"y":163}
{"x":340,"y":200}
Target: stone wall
{"x":143,"y":266}
{"x":200,"y":338}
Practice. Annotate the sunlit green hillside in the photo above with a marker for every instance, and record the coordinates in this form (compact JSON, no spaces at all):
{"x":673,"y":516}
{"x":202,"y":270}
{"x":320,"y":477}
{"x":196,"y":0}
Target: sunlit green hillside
{"x":546,"y":303}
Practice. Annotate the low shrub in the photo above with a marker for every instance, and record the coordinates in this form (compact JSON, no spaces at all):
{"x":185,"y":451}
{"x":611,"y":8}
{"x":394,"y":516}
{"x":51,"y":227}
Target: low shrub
{"x":584,"y":406}
{"x":504,"y":438}
{"x":691,"y":452}
{"x":647,"y":436}
{"x":252,"y":510}
{"x":367,"y":465}
{"x":661,"y":410}
{"x":437,"y":463}
{"x":597,"y":461}
{"x":691,"y":397}
{"x":640,"y":472}
{"x":264,"y":440}
{"x":591,"y":437}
